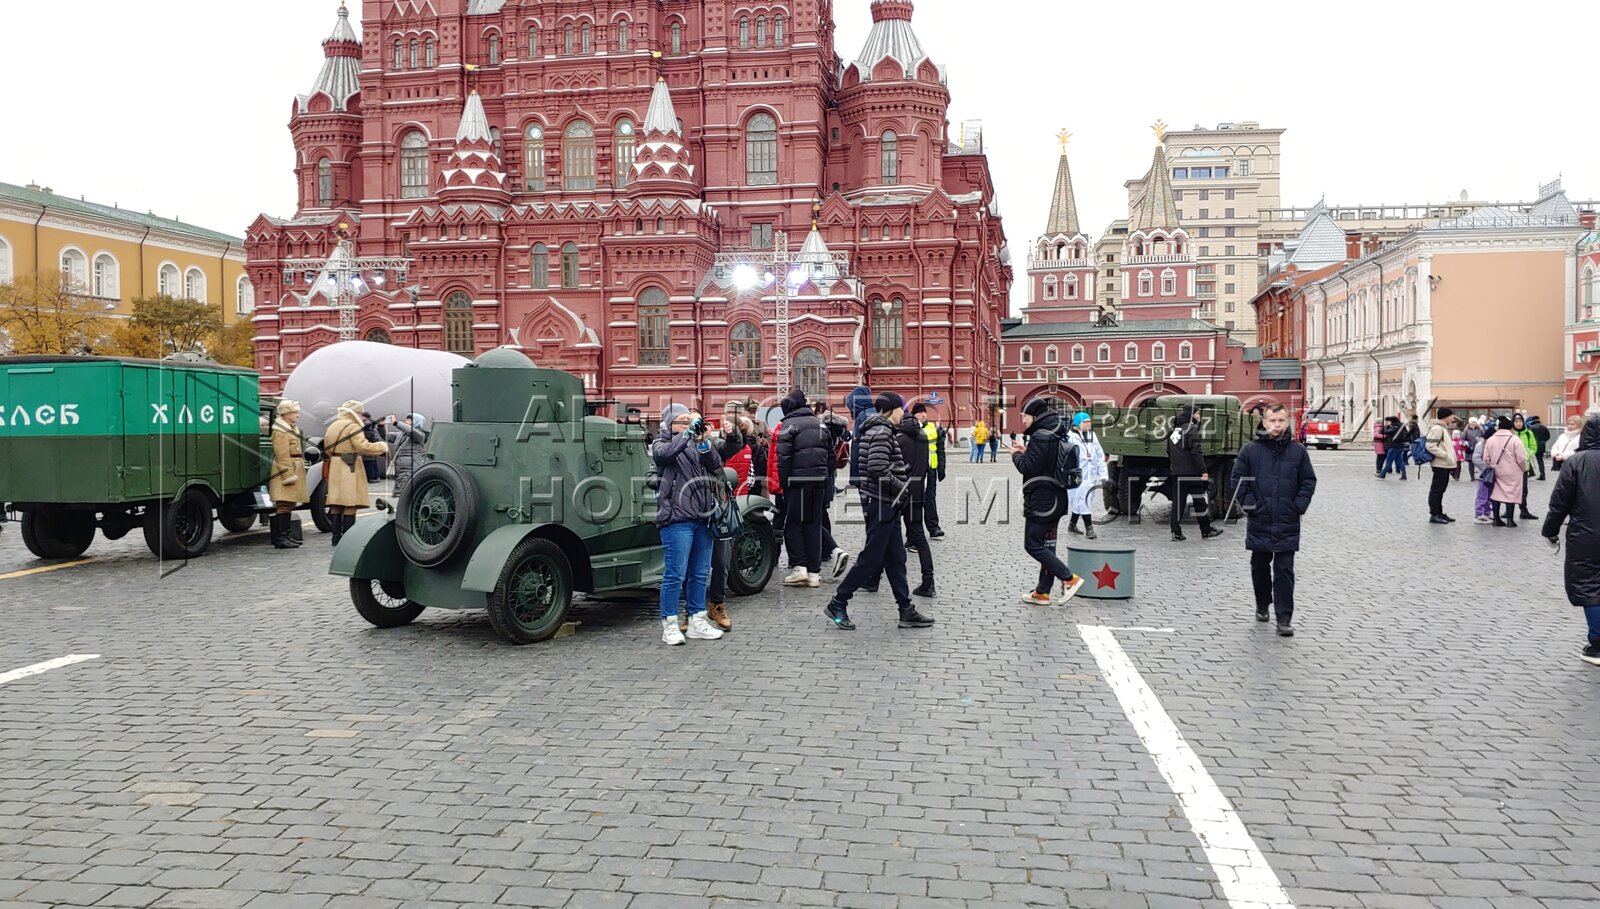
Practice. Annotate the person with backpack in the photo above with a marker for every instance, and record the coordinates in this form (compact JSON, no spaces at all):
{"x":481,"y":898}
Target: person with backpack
{"x":1047,"y":460}
{"x":1189,"y":476}
{"x":1575,"y":501}
{"x":914,"y":451}
{"x":1092,"y":461}
{"x":1273,"y":483}
{"x":1438,"y":451}
{"x":805,"y":453}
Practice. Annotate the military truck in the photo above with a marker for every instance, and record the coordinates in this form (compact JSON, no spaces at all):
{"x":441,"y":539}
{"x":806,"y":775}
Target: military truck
{"x":118,"y":444}
{"x":527,"y":497}
{"x":1135,"y":438}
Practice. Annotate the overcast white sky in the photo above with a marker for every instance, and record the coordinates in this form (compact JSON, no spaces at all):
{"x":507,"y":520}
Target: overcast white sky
{"x":182,"y":106}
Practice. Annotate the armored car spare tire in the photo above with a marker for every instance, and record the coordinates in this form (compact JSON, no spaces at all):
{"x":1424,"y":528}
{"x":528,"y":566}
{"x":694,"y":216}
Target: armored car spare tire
{"x":436,"y":513}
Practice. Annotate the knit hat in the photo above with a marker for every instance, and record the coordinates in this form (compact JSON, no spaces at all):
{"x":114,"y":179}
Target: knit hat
{"x":1446,"y":413}
{"x":286,"y":407}
{"x":672,"y":412}
{"x":918,"y":407}
{"x":1080,"y":418}
{"x":1036,"y":408}
{"x":887,"y":401}
{"x":792,"y":402}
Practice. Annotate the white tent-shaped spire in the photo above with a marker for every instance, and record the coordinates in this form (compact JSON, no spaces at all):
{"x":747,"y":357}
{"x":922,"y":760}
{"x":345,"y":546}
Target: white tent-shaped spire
{"x":661,"y":117}
{"x":474,"y":122}
{"x":817,"y":257}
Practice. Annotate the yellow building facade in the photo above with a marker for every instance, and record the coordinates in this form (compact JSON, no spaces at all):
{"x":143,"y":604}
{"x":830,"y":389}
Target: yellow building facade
{"x":118,"y":256}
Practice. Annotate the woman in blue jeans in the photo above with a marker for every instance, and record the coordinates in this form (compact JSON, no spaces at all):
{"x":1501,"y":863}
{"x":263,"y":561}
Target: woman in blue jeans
{"x":685,"y":503}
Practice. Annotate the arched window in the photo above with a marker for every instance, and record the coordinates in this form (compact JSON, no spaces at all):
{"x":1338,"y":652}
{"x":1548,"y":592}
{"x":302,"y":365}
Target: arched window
{"x":1049,"y":287}
{"x":1130,"y":354}
{"x":494,"y":50}
{"x":744,"y":31}
{"x":194,"y":284}
{"x":494,"y":139}
{"x":761,"y":151}
{"x":1103,"y":354}
{"x":413,"y":58}
{"x":744,"y":344}
{"x":75,"y":269}
{"x":244,"y":296}
{"x":168,"y":281}
{"x":677,"y":37}
{"x":324,"y":183}
{"x":540,"y":267}
{"x":1052,"y":354}
{"x":811,"y":373}
{"x":378,"y":336}
{"x":399,"y":54}
{"x":569,"y":264}
{"x":568,"y":42}
{"x":1158,"y":352}
{"x":1589,"y":286}
{"x":533,"y":159}
{"x":533,"y":42}
{"x":1169,"y":282}
{"x":458,"y":324}
{"x":585,"y":44}
{"x":106,"y":276}
{"x":1069,"y":287}
{"x":653,"y":338}
{"x":427,"y":53}
{"x":889,"y":332}
{"x":414,"y":165}
{"x":1026,"y":356}
{"x":891,"y":158}
{"x":1145,"y":279}
{"x":577,"y":155}
{"x":5,"y":261}
{"x":1077,"y":353}
{"x":1186,"y":351}
{"x":761,"y":31}
{"x":623,"y":165}
{"x":777,"y":30}
{"x":622,"y":36}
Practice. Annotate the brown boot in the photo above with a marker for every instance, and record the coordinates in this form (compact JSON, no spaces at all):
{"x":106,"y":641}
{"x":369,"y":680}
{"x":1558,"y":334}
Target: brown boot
{"x":683,"y":622}
{"x":718,"y":614}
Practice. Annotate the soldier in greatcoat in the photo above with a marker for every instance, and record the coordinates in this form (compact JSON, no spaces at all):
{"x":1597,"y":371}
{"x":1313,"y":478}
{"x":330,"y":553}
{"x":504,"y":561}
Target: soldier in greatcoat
{"x":345,"y":447}
{"x":287,"y":485}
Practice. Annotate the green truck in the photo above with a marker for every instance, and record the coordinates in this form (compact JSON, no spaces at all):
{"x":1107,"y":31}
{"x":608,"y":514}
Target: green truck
{"x":1135,"y":439}
{"x":115,"y":444}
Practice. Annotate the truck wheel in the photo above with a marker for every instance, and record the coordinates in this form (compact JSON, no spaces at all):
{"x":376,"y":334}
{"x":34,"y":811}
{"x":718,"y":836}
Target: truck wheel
{"x":383,"y":603}
{"x":57,"y":534}
{"x":1221,"y":471}
{"x":237,"y":517}
{"x":1113,"y":493}
{"x":179,"y":529}
{"x":319,"y":508}
{"x":436,"y":513}
{"x":754,"y":556}
{"x":534,"y":592}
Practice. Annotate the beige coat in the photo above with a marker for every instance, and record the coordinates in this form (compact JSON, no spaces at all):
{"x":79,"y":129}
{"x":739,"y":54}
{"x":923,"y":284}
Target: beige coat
{"x":1441,"y":446}
{"x":288,"y":481}
{"x":347,"y":484}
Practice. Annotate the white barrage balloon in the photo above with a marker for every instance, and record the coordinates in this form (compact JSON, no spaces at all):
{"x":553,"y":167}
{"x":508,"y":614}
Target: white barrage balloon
{"x":386,"y":378}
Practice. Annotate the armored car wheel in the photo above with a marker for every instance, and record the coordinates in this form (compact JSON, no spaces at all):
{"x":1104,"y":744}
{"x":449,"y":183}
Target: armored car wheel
{"x":436,"y":513}
{"x":383,"y":603}
{"x":56,"y":534}
{"x":754,"y":556}
{"x":180,"y":529}
{"x":533,"y":594}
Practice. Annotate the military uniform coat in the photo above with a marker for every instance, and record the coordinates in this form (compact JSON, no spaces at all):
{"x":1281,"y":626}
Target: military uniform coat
{"x":288,"y":480}
{"x":347,"y":484}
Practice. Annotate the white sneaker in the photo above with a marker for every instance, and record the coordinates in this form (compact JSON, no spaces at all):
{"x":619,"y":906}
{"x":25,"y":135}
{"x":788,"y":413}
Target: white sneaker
{"x":1069,"y":589}
{"x":798,"y":577}
{"x":670,"y":633}
{"x":701,"y":629}
{"x":1482,"y":519}
{"x":841,"y":562}
{"x":813,"y":580}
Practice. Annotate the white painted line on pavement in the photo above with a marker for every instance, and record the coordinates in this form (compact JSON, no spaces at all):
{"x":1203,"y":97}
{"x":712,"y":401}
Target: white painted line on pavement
{"x":1247,"y":880}
{"x":46,"y":666}
{"x":1138,"y":628}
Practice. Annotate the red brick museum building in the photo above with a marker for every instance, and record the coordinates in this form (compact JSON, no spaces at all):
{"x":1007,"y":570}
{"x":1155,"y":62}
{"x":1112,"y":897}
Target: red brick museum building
{"x":560,"y":177}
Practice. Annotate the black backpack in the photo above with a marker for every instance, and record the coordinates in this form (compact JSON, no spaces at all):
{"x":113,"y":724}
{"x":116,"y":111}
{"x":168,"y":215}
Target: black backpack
{"x":1068,"y":472}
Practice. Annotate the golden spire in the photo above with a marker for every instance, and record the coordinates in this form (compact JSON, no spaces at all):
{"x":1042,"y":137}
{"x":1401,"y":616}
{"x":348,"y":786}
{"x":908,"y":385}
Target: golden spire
{"x":1065,"y":136}
{"x":1160,"y":129}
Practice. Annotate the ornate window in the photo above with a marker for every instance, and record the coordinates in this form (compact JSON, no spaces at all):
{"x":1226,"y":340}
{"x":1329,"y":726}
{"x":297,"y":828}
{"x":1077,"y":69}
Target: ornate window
{"x":1077,"y":353}
{"x":744,"y":344}
{"x":106,"y":276}
{"x":167,"y":280}
{"x":568,"y":44}
{"x":890,"y":151}
{"x":653,"y":339}
{"x":761,"y":151}
{"x":494,"y":50}
{"x":744,"y":31}
{"x":244,"y":296}
{"x":533,"y":42}
{"x":584,"y":40}
{"x":761,"y":31}
{"x":414,"y":166}
{"x":889,"y":332}
{"x":677,"y":37}
{"x":1158,"y":352}
{"x":427,"y":53}
{"x":494,"y":139}
{"x":324,"y":183}
{"x":569,"y":264}
{"x":1052,"y":355}
{"x":378,"y":336}
{"x":458,"y":324}
{"x":541,"y":266}
{"x":413,"y":56}
{"x":623,"y":165}
{"x":75,"y":269}
{"x":811,"y":373}
{"x":577,"y":155}
{"x":194,"y":284}
{"x":622,"y":36}
{"x":1130,"y":354}
{"x":1026,"y":356}
{"x":1049,"y":287}
{"x":1103,"y":354}
{"x":1069,"y":288}
{"x":1186,"y":351}
{"x":533,"y":159}
{"x":1145,"y":279}
{"x":399,"y":54}
{"x":777,"y":30}
{"x":1169,"y":282}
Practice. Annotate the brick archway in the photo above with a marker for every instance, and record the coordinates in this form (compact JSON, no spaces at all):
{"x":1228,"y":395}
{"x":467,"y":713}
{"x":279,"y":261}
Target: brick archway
{"x":1148,"y":390}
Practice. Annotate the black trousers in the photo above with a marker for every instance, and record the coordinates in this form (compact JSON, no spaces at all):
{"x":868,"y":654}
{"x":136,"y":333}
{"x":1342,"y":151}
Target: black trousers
{"x":1273,"y":576}
{"x":1381,"y":458}
{"x":802,"y":527}
{"x":916,"y":537}
{"x":1540,"y":458}
{"x":1441,"y":482}
{"x":884,"y":553}
{"x":1194,"y":489}
{"x":1036,"y":536}
{"x":930,"y":502}
{"x":721,"y":560}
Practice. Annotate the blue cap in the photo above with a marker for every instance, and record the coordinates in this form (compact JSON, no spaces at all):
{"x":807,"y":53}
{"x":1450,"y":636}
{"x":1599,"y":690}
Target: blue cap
{"x":1079,"y":417}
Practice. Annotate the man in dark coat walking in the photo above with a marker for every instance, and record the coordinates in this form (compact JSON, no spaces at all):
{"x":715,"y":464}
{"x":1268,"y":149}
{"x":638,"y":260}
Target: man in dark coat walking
{"x":1044,"y":499}
{"x":1541,"y":438}
{"x":1273,"y":482}
{"x":1576,"y":501}
{"x":1189,"y":477}
{"x":805,"y":456}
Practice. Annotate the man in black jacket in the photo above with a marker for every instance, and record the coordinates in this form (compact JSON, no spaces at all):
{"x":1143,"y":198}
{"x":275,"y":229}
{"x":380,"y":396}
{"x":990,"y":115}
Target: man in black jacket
{"x":1189,"y":477}
{"x":1576,"y":500}
{"x":1541,"y":436}
{"x":881,"y":478}
{"x":1044,"y":499}
{"x":913,"y":444}
{"x":1273,"y":482}
{"x":805,"y":453}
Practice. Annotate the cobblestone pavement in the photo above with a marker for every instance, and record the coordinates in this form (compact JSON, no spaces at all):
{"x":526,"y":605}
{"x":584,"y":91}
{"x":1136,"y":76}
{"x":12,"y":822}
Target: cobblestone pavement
{"x":244,"y":739}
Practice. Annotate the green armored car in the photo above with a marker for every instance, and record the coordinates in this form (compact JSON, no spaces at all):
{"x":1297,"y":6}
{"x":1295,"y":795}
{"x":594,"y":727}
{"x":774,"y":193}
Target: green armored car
{"x":1135,"y":438}
{"x":525,"y":498}
{"x":118,"y":444}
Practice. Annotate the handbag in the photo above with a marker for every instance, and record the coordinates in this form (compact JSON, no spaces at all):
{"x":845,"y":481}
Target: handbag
{"x":727,"y":523}
{"x":1486,"y":476}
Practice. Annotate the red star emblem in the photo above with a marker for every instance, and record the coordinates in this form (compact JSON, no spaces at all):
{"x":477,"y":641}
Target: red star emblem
{"x":1105,"y":577}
